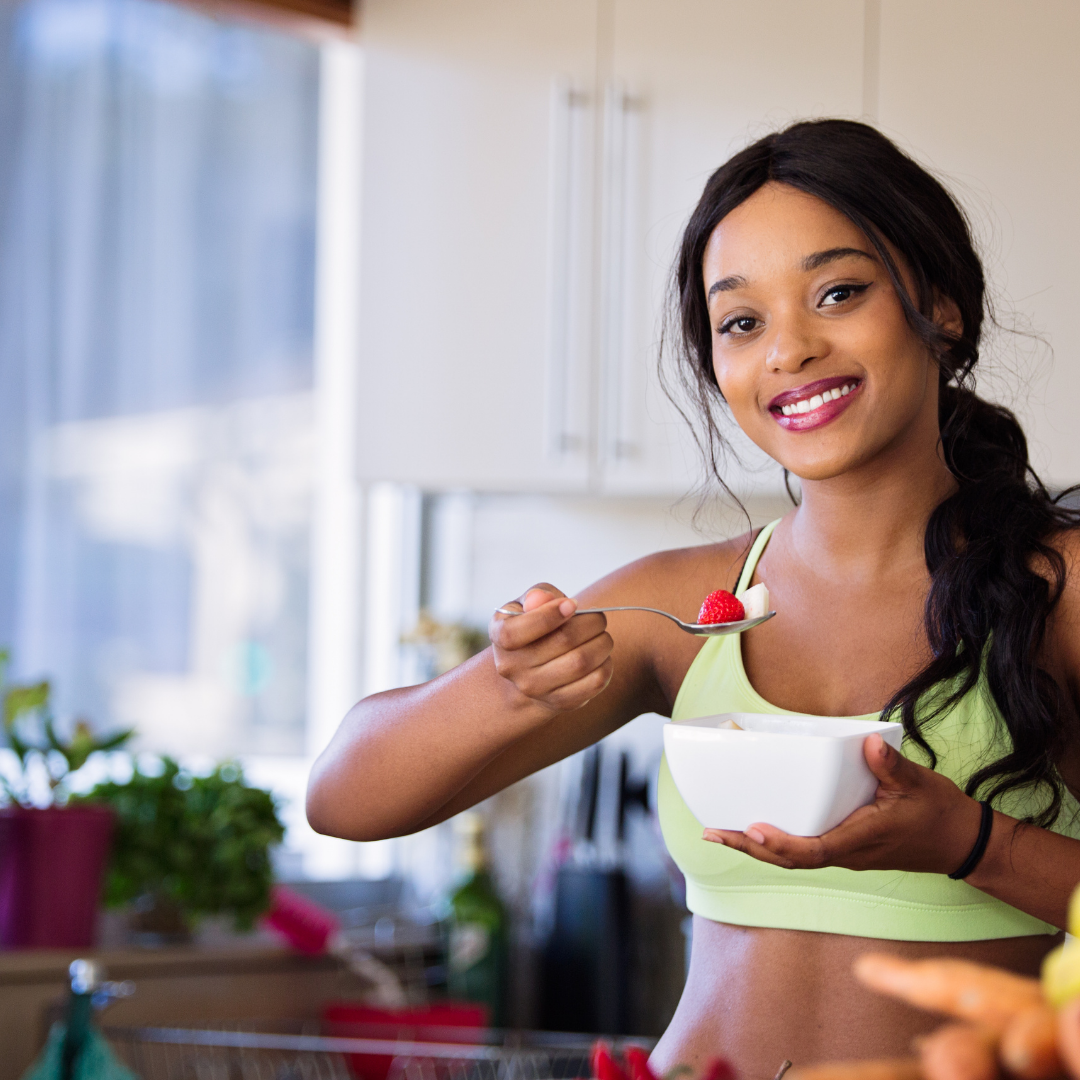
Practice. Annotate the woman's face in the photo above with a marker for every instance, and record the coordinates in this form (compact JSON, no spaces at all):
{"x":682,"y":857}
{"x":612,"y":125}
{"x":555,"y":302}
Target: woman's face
{"x":810,"y":345}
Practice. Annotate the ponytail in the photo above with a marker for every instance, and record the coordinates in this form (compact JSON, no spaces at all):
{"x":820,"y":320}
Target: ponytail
{"x":995,"y":577}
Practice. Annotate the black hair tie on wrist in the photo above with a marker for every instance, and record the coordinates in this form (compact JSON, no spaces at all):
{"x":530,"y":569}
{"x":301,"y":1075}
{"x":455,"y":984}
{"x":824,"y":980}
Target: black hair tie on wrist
{"x":979,"y":850}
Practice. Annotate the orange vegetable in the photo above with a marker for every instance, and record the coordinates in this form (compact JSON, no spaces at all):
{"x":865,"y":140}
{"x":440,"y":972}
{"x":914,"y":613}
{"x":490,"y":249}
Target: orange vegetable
{"x":1068,"y":1036}
{"x":1029,"y":1044}
{"x":959,"y":1052}
{"x":885,"y":1069}
{"x":985,"y":995}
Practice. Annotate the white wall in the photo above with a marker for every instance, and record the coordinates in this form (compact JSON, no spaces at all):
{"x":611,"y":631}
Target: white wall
{"x":987,"y":93}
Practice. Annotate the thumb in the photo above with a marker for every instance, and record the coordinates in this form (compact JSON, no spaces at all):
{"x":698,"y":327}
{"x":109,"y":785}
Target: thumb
{"x":539,"y":595}
{"x":886,"y":762}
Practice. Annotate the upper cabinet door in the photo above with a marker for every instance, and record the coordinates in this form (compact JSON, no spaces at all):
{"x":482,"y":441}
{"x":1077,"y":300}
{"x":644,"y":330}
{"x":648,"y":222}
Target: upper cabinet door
{"x":477,"y":243}
{"x":689,"y":83}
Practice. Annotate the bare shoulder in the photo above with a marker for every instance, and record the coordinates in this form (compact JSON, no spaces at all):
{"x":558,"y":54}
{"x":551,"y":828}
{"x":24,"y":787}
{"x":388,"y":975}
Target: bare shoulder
{"x":676,"y":580}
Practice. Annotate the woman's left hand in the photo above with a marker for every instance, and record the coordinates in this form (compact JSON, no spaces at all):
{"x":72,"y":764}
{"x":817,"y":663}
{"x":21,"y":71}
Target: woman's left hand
{"x":919,"y":820}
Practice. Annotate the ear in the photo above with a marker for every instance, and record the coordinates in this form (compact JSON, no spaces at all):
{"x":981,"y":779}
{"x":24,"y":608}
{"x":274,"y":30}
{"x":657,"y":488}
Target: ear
{"x":947,"y":315}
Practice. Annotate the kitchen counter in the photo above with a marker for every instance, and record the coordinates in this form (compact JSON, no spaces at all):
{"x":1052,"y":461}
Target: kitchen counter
{"x":174,"y":986}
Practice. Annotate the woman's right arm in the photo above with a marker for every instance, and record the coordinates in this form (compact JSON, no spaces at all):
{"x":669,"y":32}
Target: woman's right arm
{"x":551,"y":684}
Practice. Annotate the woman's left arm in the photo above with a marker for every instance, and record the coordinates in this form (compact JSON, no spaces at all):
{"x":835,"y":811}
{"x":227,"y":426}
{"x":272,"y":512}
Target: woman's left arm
{"x":921,"y":821}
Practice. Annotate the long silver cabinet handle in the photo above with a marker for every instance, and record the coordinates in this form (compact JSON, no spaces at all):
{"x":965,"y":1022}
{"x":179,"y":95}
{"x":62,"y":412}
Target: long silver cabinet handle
{"x":568,"y":271}
{"x":619,"y":270}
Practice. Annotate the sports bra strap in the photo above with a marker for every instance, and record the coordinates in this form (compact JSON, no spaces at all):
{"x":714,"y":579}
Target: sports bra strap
{"x":754,"y":556}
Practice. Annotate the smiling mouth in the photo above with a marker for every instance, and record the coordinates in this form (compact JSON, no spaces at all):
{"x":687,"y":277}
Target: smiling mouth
{"x":815,"y":403}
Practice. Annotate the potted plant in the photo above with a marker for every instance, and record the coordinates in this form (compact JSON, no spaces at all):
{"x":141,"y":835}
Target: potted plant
{"x":188,"y":846}
{"x":51,"y":856}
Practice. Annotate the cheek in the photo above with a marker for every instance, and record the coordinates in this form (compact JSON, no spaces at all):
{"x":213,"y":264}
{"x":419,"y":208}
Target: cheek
{"x":737,"y":379}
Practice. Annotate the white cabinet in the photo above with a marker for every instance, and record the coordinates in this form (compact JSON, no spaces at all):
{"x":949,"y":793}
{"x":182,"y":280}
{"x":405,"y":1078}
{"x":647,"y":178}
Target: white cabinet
{"x":476,"y":243}
{"x":689,"y":83}
{"x":528,"y":165}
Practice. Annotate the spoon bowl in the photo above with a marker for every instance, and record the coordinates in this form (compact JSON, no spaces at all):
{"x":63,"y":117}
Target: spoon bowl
{"x":700,"y":629}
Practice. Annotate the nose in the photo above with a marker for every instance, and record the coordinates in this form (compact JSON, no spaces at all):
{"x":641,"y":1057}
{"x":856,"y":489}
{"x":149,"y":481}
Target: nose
{"x":792,"y":345}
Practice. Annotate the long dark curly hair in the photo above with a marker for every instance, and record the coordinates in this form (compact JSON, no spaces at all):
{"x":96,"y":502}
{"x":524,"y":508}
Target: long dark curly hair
{"x":995,"y":575}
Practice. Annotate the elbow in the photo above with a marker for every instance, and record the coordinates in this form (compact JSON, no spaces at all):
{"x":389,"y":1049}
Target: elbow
{"x":331,"y":813}
{"x":323,"y":806}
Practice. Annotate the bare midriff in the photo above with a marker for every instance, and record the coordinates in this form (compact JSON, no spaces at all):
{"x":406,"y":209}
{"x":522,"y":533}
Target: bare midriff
{"x":761,"y":996}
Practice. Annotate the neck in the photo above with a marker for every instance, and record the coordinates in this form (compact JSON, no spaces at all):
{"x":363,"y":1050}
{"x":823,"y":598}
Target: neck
{"x":870,"y":522}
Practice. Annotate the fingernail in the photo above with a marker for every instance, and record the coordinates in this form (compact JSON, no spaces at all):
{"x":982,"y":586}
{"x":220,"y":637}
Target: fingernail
{"x":712,"y":837}
{"x":567,"y":607}
{"x":756,"y":835}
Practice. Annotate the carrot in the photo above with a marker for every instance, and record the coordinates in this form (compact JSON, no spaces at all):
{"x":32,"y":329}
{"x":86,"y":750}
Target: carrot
{"x":985,"y":995}
{"x":884,"y":1069}
{"x":1068,"y":1036}
{"x":1029,"y":1044}
{"x":959,"y":1052}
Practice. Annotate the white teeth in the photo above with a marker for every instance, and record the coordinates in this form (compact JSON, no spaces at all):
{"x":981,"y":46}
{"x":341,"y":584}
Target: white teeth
{"x":815,"y":402}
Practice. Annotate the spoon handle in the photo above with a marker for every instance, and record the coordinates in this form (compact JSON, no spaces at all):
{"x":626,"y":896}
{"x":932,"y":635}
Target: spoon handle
{"x":599,"y":611}
{"x":630,"y":607}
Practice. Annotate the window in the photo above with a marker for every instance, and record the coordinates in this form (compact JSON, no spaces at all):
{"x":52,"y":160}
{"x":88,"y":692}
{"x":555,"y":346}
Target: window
{"x":157,"y":234}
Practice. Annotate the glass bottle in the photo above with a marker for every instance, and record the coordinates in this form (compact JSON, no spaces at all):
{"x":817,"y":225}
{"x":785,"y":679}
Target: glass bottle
{"x":477,"y":940}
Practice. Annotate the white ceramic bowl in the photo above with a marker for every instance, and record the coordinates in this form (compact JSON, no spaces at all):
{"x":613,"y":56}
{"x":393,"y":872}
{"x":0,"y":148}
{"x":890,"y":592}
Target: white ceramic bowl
{"x":803,"y":774}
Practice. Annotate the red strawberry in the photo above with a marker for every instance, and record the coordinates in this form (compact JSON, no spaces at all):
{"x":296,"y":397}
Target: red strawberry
{"x":638,"y":1060}
{"x":604,"y":1065}
{"x":721,"y":606}
{"x":719,"y":1068}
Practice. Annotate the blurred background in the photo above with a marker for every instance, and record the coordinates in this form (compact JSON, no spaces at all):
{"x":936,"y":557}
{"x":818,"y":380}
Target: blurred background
{"x":323,"y":332}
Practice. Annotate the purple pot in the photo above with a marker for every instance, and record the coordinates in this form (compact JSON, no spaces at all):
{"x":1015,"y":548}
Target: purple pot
{"x":51,"y":867}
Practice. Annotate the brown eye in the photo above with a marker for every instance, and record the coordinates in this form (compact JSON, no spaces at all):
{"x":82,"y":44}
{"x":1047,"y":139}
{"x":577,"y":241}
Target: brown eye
{"x":838,"y":294}
{"x":741,"y":324}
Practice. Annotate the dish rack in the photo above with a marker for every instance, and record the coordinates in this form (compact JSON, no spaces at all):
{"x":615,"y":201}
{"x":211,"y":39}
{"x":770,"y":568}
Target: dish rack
{"x":303,"y":1054}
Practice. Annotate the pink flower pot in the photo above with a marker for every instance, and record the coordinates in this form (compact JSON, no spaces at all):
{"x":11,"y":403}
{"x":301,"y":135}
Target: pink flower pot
{"x":51,"y":867}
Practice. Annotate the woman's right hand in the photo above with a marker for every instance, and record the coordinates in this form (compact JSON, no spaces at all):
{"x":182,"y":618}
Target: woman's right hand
{"x":549,"y":656}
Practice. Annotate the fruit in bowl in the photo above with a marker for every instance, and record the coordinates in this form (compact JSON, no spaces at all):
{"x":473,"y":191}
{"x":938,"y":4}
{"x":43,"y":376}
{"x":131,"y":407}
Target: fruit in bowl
{"x":803,"y":774}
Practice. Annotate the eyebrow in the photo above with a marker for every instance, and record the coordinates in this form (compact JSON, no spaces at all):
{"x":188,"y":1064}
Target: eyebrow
{"x":811,"y":262}
{"x":821,"y":258}
{"x":736,"y":281}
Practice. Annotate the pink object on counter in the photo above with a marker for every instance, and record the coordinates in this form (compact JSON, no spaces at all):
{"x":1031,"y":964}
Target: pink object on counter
{"x":305,"y":925}
{"x":51,"y":865}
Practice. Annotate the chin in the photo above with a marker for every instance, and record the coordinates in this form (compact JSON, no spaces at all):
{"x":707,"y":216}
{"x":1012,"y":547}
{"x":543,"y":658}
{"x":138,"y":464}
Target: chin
{"x":823,"y":467}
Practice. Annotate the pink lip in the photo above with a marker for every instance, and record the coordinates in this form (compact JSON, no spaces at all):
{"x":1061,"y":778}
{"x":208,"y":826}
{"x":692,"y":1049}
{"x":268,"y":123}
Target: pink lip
{"x":823,"y":414}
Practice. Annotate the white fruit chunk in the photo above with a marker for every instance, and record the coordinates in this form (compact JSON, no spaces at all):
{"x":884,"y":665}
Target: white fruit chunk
{"x":755,"y":601}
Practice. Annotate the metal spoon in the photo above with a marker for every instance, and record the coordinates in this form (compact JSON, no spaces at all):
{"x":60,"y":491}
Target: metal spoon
{"x":701,"y":629}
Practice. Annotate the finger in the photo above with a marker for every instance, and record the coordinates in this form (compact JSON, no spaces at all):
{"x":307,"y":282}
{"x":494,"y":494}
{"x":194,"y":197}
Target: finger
{"x":768,"y":844}
{"x":893,"y":772}
{"x":565,"y":669}
{"x":573,"y":634}
{"x":540,"y":594}
{"x":517,"y":631}
{"x":583,"y":690}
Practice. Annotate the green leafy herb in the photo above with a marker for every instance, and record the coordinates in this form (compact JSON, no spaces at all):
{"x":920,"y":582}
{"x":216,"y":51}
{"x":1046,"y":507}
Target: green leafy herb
{"x":201,"y":842}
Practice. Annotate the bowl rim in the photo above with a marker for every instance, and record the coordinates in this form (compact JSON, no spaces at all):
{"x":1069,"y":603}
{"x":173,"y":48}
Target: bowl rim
{"x":861,"y":728}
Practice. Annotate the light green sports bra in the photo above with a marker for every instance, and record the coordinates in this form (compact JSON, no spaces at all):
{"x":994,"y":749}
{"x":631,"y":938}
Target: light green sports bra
{"x":728,"y":886}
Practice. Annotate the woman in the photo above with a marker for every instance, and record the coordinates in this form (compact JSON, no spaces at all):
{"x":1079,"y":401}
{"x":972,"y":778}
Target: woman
{"x":829,"y":295}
